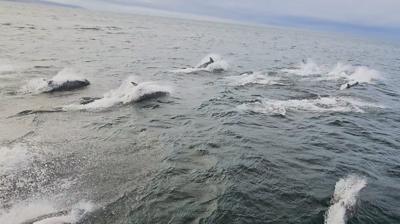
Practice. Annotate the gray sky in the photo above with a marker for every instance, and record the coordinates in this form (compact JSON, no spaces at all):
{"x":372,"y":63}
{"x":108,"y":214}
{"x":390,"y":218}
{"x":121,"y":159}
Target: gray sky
{"x":374,"y":15}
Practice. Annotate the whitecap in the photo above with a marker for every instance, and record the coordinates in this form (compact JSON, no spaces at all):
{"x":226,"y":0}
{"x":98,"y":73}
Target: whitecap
{"x":344,"y":199}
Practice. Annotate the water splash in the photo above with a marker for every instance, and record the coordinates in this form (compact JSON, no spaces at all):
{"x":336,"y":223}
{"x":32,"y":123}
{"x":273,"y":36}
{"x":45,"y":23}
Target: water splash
{"x":345,"y":72}
{"x":344,"y":199}
{"x":41,"y":85}
{"x":218,"y":65}
{"x":128,"y":92}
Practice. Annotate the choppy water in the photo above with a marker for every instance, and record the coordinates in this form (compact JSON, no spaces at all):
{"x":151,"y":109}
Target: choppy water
{"x":280,"y":145}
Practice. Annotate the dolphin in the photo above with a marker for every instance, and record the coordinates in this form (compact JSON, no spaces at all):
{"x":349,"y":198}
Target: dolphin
{"x":349,"y":85}
{"x":66,"y":86}
{"x":205,"y":65}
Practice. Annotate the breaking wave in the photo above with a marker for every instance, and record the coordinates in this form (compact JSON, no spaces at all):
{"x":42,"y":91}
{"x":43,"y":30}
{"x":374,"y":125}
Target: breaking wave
{"x":41,"y":85}
{"x":218,"y":65}
{"x":252,"y":78}
{"x":322,"y":104}
{"x":125,"y":94}
{"x":344,"y":199}
{"x":44,"y":212}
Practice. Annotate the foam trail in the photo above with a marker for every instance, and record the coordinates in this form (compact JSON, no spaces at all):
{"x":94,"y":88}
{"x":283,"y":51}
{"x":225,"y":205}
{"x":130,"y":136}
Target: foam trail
{"x":44,"y":212}
{"x":41,"y":85}
{"x":344,"y":199}
{"x":319,"y":105}
{"x":125,"y":94}
{"x":252,"y":78}
{"x":218,"y":65}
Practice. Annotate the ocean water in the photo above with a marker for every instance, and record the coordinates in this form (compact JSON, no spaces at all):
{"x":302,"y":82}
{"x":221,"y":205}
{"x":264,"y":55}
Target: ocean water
{"x":266,"y":134}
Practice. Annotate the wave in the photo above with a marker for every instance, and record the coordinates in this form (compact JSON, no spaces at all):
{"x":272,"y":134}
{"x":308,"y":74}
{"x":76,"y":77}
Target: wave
{"x":344,"y":199}
{"x":218,"y":65}
{"x":322,"y":104}
{"x":128,"y":92}
{"x":41,"y":85}
{"x":346,"y":72}
{"x":44,"y":212}
{"x":252,"y":78}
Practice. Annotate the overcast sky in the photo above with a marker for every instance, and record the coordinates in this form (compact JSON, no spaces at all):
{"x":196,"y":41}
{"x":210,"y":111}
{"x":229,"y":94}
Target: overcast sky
{"x":382,"y":16}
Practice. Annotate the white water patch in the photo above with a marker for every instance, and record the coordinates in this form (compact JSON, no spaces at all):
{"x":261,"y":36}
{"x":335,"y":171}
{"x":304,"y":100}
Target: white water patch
{"x":305,"y":68}
{"x":14,"y":158}
{"x":344,"y":199}
{"x":125,"y":94}
{"x":31,"y":210}
{"x":41,"y":85}
{"x":252,"y":78}
{"x":319,"y":105}
{"x":217,"y":66}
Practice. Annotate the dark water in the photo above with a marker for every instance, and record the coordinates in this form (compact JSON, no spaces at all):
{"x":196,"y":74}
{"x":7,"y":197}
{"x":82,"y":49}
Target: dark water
{"x":263,"y":148}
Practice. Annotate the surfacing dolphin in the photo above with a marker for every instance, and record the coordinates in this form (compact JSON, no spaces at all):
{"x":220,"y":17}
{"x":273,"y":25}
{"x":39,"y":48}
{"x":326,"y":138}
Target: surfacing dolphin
{"x":205,"y":65}
{"x":66,"y":85}
{"x":349,"y":85}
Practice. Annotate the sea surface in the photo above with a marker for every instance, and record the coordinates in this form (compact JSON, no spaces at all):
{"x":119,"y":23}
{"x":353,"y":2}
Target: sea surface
{"x":267,"y":134}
